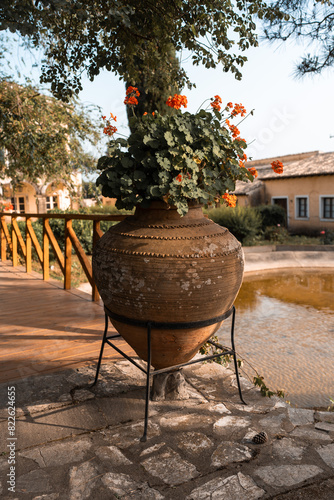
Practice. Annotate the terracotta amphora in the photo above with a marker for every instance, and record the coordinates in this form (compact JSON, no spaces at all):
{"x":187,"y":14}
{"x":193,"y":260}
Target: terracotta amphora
{"x":157,"y":266}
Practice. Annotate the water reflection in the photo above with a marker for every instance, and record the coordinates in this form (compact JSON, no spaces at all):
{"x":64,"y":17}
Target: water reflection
{"x":285,"y":328}
{"x":293,"y":287}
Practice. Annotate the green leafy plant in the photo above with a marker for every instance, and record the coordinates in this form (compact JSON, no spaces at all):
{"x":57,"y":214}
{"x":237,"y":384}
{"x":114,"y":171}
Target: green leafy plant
{"x":258,"y":380}
{"x":243,"y":222}
{"x":327,"y":237}
{"x":276,"y":234}
{"x":176,"y":157}
{"x":331,"y":407}
{"x":271,"y":215}
{"x":179,"y":157}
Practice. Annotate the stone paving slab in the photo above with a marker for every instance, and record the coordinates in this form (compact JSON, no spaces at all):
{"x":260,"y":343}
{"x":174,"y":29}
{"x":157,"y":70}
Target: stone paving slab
{"x":76,"y":442}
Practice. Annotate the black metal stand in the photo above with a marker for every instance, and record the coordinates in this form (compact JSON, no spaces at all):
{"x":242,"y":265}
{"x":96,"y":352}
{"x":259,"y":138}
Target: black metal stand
{"x":150,"y":325}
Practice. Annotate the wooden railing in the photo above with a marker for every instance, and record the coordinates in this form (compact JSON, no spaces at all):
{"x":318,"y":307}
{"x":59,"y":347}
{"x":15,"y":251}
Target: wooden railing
{"x":13,"y":240}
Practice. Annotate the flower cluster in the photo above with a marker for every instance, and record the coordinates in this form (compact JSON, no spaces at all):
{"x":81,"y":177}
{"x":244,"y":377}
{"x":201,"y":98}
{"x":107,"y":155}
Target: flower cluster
{"x":108,"y":128}
{"x":230,"y":199}
{"x":277,"y":166}
{"x":131,"y":96}
{"x":238,"y":109}
{"x":234,"y":129}
{"x":5,"y":206}
{"x":253,"y":171}
{"x":178,"y":157}
{"x":177,"y":101}
{"x":216,"y":104}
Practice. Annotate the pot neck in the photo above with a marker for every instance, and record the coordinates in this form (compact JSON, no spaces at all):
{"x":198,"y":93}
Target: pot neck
{"x":159,"y":210}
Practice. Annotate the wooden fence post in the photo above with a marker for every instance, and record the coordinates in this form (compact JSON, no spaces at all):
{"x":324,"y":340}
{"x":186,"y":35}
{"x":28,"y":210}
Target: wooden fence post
{"x":14,"y":244}
{"x":3,"y":244}
{"x":28,"y":248}
{"x":46,"y":252}
{"x":68,"y":255}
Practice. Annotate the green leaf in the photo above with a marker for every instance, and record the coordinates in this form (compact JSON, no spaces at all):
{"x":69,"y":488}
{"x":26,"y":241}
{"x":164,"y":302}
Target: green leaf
{"x":127,"y":162}
{"x":149,"y":141}
{"x":164,"y":162}
{"x":126,"y":180}
{"x":169,"y":138}
{"x":155,"y":191}
{"x":103,"y":162}
{"x":122,"y":142}
{"x":139,"y":175}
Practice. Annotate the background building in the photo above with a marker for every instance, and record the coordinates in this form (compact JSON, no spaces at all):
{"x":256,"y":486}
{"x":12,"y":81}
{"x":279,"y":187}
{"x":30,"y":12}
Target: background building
{"x":305,"y":189}
{"x":30,"y":197}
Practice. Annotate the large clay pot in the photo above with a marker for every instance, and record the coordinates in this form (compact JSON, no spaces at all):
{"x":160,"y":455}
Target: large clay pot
{"x":158,"y":266}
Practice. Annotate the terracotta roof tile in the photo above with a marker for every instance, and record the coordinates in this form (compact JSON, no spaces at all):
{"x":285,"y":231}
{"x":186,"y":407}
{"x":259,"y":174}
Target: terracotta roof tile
{"x":315,"y":164}
{"x":301,"y":165}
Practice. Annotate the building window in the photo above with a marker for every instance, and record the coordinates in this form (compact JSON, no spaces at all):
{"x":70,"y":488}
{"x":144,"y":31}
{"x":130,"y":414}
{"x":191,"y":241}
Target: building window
{"x":18,"y":203}
{"x":51,"y":202}
{"x":301,"y":207}
{"x":327,"y":207}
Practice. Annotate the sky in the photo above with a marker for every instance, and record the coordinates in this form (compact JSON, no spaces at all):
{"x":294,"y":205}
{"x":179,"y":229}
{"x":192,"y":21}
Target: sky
{"x":291,"y":115}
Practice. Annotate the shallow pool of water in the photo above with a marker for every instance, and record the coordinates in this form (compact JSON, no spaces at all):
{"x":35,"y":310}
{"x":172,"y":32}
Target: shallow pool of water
{"x":285,"y":329}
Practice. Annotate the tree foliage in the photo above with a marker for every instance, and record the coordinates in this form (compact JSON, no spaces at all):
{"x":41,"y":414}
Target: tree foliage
{"x":136,"y":39}
{"x":311,"y":21}
{"x":41,"y":136}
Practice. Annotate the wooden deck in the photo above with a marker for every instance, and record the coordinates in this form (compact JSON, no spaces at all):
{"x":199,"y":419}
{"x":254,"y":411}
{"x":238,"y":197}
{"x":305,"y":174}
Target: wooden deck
{"x":44,"y":328}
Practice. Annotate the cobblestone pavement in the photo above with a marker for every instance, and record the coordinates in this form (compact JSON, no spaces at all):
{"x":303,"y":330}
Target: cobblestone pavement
{"x":73,"y":442}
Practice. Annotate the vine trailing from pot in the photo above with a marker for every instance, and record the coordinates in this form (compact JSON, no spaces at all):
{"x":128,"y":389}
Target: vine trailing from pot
{"x":178,"y":157}
{"x":224,"y":360}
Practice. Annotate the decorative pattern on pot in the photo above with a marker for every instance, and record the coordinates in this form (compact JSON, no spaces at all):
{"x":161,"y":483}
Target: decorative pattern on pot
{"x":158,"y":266}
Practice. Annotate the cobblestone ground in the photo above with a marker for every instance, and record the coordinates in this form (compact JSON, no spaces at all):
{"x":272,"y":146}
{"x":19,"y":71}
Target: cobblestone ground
{"x":74,"y":442}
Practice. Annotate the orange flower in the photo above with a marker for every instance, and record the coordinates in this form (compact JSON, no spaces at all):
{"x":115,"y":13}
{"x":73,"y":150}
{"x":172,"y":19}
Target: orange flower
{"x":109,"y":129}
{"x":230,"y":199}
{"x":104,"y":117}
{"x":5,"y":206}
{"x":112,"y":117}
{"x":235,"y":131}
{"x":229,"y":105}
{"x":216,"y":104}
{"x":238,"y":109}
{"x":132,"y":90}
{"x":179,"y":178}
{"x":277,"y":166}
{"x":253,"y":171}
{"x":131,"y":100}
{"x":131,"y":96}
{"x":177,"y":101}
{"x":144,"y":114}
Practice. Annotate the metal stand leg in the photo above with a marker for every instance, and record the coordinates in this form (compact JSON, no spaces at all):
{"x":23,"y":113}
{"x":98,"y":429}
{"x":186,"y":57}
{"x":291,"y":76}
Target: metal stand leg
{"x":143,"y":439}
{"x":102,"y":348}
{"x":235,"y":357}
{"x":172,"y":326}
